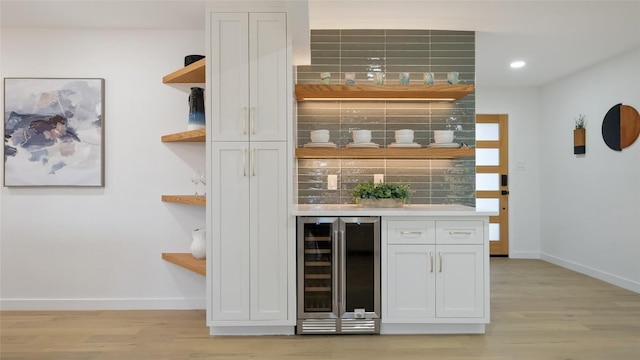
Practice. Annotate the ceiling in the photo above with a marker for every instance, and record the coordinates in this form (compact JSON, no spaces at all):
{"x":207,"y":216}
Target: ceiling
{"x":555,"y":38}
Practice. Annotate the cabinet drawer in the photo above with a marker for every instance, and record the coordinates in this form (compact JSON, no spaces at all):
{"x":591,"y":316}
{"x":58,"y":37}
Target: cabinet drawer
{"x":459,"y":232}
{"x":411,"y":232}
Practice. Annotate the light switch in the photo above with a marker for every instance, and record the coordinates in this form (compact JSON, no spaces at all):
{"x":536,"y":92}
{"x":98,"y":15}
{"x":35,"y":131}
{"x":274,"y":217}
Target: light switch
{"x":332,"y":182}
{"x":378,"y":178}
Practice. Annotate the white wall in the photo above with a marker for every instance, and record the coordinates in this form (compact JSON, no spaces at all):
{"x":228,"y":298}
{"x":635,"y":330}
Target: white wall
{"x":590,"y":205}
{"x":100,"y":248}
{"x":522,"y":107}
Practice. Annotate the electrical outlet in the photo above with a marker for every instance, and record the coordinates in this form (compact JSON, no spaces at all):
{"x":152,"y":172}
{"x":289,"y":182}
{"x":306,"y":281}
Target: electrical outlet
{"x":332,"y":182}
{"x":378,"y":178}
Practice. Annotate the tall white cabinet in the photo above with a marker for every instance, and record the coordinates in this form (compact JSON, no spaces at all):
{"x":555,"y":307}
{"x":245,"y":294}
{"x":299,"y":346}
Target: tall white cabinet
{"x":248,"y":277}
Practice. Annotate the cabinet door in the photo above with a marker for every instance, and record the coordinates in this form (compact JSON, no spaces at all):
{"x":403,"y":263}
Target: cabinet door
{"x":459,"y":281}
{"x":410,"y":284}
{"x":229,"y":77}
{"x":249,"y":76}
{"x":268,"y":76}
{"x":268,"y":214}
{"x":229,"y":266}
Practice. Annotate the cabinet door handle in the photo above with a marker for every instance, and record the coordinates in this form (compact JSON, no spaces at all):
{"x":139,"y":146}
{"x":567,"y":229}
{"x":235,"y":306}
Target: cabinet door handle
{"x":431,"y":263}
{"x":440,"y":265}
{"x":252,"y":117}
{"x":244,"y":120}
{"x":411,"y":233}
{"x":253,"y":162}
{"x":244,"y":162}
{"x":459,"y":232}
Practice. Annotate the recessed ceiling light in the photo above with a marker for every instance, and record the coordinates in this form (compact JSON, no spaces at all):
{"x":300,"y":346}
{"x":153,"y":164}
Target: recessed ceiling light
{"x":518,"y":64}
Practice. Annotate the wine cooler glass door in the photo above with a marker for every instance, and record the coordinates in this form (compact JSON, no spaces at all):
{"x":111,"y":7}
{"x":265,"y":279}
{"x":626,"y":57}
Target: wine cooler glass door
{"x":317,"y":272}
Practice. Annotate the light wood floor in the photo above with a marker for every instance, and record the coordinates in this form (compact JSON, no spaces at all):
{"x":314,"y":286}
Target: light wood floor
{"x":539,"y":311}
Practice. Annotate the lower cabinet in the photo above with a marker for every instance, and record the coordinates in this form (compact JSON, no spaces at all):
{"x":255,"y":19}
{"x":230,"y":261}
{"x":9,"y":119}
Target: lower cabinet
{"x":436,"y":273}
{"x":249,"y":252}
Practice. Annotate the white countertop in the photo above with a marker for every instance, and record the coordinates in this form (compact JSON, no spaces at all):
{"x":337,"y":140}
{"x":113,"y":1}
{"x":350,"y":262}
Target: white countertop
{"x":407,"y":210}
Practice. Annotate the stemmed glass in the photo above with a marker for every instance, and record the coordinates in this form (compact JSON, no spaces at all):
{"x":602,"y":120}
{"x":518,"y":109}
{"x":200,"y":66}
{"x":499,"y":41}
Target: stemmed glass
{"x":203,"y":180}
{"x":195,"y":178}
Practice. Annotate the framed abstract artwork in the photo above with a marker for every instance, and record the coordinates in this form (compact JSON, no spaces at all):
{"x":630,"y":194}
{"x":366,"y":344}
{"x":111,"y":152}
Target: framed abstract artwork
{"x":53,"y":132}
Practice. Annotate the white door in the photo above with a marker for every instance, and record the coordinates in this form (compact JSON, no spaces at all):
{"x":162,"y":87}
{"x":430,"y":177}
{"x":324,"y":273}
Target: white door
{"x":229,"y":266}
{"x":268,"y":214}
{"x":268,"y":76}
{"x":459,"y":281}
{"x":410,"y":284}
{"x":228,"y":66}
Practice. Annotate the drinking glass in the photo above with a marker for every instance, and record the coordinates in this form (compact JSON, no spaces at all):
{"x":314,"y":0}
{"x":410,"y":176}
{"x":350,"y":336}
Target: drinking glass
{"x":195,"y":178}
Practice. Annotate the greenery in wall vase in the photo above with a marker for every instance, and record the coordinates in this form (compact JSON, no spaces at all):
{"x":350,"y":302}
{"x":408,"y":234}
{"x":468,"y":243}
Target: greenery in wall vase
{"x":581,"y":123}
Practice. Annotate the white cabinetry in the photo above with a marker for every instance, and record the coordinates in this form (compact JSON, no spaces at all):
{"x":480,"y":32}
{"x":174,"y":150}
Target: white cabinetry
{"x":248,"y":76}
{"x":436,"y":275}
{"x":249,"y":232}
{"x":248,"y":274}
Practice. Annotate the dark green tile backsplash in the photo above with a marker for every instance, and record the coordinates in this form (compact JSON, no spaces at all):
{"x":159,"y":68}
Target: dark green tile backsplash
{"x":390,"y":52}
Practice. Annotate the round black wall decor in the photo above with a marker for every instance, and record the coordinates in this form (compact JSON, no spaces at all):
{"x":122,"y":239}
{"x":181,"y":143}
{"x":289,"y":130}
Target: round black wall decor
{"x":620,"y":127}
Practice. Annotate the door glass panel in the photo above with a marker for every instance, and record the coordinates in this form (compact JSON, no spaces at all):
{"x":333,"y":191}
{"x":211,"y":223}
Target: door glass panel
{"x":487,"y":132}
{"x":490,"y":204}
{"x":487,"y":157}
{"x":318,"y":278}
{"x":494,"y":232}
{"x":487,"y":182}
{"x":360,"y":262}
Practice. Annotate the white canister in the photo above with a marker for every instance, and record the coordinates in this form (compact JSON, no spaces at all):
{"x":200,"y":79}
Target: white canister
{"x":199,"y":244}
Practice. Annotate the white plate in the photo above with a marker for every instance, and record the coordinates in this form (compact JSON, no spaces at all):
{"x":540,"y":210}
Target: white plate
{"x":363,"y":145}
{"x":444,"y":145}
{"x":320,"y":145}
{"x":404,"y":145}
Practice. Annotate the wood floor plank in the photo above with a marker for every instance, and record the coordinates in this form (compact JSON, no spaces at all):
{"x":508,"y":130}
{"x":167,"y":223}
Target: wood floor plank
{"x":539,"y":311}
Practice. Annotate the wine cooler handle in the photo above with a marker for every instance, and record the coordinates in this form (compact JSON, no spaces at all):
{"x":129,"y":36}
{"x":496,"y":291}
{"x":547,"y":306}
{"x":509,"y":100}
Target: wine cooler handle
{"x":343,"y":274}
{"x":334,"y":263}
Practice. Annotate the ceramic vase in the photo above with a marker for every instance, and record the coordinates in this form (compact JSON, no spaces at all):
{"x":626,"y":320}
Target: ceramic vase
{"x":198,"y":244}
{"x":196,"y":109}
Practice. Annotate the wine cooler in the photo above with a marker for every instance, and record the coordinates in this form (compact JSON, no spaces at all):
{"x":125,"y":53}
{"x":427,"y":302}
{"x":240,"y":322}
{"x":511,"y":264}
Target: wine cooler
{"x":338,"y":275}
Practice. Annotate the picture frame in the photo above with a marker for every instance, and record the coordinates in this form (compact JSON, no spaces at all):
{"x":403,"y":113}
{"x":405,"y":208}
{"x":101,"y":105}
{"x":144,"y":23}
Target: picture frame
{"x":54,"y":132}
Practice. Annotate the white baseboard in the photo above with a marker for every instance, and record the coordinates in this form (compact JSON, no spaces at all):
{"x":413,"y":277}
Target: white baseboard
{"x":103,"y":304}
{"x":595,"y":273}
{"x":524,"y":255}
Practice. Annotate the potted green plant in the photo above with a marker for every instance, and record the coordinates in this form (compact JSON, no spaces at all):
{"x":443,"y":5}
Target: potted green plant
{"x":580,"y":135}
{"x":368,"y":194}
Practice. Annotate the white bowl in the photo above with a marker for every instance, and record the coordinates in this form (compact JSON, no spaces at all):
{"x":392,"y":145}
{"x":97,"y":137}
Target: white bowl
{"x":443,"y":136}
{"x":320,"y":136}
{"x":404,"y":131}
{"x":361,"y":136}
{"x":404,"y":136}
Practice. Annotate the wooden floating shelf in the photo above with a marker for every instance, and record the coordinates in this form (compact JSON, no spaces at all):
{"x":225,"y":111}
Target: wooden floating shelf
{"x":389,"y":92}
{"x":186,"y":136}
{"x":187,"y":261}
{"x":387,"y":153}
{"x":197,"y":200}
{"x":192,"y":73}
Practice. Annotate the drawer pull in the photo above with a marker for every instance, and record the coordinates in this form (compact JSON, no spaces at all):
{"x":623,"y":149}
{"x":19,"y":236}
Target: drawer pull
{"x":460,"y":232}
{"x":440,"y":262}
{"x":418,"y":233}
{"x":431,"y":257}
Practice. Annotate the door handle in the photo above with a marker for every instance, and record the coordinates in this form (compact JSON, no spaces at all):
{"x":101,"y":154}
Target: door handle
{"x":504,"y":192}
{"x":244,"y":162}
{"x":244,"y":120}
